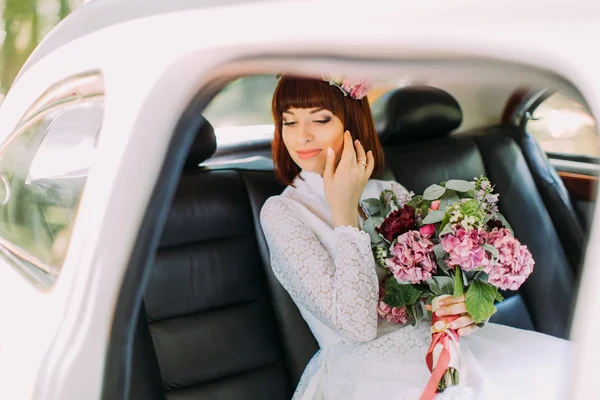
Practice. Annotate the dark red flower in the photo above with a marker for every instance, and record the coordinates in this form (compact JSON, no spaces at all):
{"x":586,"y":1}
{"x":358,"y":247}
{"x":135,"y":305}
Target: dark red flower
{"x":397,"y":223}
{"x":494,"y":223}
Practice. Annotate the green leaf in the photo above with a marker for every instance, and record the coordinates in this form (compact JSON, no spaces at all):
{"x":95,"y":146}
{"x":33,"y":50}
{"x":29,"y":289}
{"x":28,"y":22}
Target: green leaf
{"x":433,"y":192}
{"x":418,"y":311}
{"x":447,"y":229}
{"x":434,"y":216}
{"x":440,"y":285}
{"x":460,"y":185}
{"x":439,"y":250}
{"x":458,"y":282}
{"x":400,"y":295}
{"x":448,"y":198}
{"x":480,"y":301}
{"x":491,"y":249}
{"x":416,"y":201}
{"x":369,"y":227}
{"x":499,"y":297}
{"x":471,"y":194}
{"x":373,"y":206}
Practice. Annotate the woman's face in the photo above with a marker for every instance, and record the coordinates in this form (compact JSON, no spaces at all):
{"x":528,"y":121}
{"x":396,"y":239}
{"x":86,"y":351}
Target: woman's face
{"x":308,"y":132}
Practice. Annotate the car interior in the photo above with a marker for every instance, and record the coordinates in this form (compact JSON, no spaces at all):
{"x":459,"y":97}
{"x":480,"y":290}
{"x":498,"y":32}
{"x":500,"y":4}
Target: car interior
{"x":216,"y":324}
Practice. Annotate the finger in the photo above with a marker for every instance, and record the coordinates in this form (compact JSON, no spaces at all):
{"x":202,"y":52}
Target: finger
{"x":360,"y":152}
{"x":329,"y":161}
{"x":349,"y":154}
{"x":453,"y":309}
{"x":467,"y":330}
{"x":370,"y":164}
{"x":461,"y":322}
{"x":451,"y":300}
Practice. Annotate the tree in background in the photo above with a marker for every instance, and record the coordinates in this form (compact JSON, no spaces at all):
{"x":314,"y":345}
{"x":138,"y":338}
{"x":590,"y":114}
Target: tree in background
{"x":25,"y":23}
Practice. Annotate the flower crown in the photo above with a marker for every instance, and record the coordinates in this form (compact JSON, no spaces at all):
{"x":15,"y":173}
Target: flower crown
{"x":355,"y":88}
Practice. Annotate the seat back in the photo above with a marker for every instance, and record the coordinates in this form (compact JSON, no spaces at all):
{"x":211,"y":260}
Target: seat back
{"x":215,"y":324}
{"x":544,"y":302}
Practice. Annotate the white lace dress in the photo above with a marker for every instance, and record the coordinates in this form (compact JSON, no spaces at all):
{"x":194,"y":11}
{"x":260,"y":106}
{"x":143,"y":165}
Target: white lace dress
{"x":332,"y":277}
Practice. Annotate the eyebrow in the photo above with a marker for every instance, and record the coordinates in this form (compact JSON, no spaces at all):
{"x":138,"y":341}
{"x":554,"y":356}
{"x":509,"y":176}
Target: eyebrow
{"x":316,"y":110}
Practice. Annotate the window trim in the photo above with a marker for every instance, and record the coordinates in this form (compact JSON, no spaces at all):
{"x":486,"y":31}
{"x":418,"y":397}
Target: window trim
{"x":52,"y":99}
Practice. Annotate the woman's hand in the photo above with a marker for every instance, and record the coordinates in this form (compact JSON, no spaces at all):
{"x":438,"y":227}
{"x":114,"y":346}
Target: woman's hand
{"x":456,"y":306}
{"x":345,"y":183}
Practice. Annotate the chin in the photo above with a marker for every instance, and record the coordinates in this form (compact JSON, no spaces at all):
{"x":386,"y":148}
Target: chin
{"x":315,"y":166}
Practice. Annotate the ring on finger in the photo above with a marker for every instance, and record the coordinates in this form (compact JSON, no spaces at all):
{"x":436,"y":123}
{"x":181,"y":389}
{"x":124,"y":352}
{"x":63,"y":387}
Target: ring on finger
{"x":362,"y":162}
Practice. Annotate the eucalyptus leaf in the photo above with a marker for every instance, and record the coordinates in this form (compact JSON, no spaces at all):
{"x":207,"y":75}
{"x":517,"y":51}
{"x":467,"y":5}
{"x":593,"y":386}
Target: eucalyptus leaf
{"x":449,"y":197}
{"x":472,"y":193}
{"x":480,"y":301}
{"x":369,"y":226}
{"x":434,"y":216}
{"x":447,"y":229}
{"x":443,"y":266}
{"x":460,"y":185}
{"x":373,"y":206}
{"x":419,"y":312}
{"x":438,"y":250}
{"x":433,"y":192}
{"x":491,"y":249}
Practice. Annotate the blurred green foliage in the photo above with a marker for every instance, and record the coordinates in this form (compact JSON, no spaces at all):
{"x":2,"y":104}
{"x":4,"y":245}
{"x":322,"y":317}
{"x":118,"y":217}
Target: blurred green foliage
{"x":24,"y":25}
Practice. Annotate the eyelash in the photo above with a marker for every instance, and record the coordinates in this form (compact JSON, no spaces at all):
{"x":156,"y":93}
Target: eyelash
{"x":320,"y":121}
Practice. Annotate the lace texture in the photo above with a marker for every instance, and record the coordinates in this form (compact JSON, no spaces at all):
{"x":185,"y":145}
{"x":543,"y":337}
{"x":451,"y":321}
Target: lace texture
{"x":341,"y":289}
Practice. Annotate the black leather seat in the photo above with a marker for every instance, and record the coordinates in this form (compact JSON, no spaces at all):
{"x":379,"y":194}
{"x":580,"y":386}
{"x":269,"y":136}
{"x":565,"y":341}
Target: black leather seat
{"x":420,"y":151}
{"x":215,"y":324}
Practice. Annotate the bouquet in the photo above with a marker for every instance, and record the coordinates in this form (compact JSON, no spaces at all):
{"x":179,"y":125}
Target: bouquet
{"x":449,"y":241}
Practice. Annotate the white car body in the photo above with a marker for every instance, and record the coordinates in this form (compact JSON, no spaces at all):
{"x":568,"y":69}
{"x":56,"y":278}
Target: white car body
{"x":53,"y":343}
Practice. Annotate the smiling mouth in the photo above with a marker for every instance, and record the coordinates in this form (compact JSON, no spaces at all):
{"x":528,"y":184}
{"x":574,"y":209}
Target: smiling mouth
{"x":306,"y":154}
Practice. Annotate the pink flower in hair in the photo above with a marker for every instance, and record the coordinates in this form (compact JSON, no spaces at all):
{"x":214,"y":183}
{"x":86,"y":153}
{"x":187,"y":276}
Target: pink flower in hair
{"x":514,"y":263}
{"x":357,"y":89}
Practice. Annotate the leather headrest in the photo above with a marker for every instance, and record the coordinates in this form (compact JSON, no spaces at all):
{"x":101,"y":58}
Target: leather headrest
{"x":204,"y":145}
{"x":418,"y":114}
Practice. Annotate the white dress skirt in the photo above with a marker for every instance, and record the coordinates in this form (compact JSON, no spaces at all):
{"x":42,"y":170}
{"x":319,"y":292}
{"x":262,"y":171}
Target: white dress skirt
{"x":332,"y":277}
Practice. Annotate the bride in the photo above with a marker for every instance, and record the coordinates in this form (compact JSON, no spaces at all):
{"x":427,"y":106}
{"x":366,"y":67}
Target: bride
{"x":326,"y":149}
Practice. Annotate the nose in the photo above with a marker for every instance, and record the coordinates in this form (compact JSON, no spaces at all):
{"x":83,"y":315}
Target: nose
{"x":304,"y":134}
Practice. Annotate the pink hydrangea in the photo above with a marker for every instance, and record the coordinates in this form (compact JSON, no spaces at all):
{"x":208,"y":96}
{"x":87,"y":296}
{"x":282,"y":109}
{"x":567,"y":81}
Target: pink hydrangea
{"x":411,"y":258}
{"x":397,"y":315}
{"x":356,"y":88}
{"x":514,"y":264}
{"x":464,"y":249}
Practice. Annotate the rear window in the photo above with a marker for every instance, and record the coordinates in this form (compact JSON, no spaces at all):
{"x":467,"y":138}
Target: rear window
{"x":564,"y":126}
{"x":43,"y":170}
{"x":241,"y":112}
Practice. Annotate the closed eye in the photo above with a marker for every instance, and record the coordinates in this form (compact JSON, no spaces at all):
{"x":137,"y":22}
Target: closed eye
{"x":322,"y":121}
{"x":291,"y":123}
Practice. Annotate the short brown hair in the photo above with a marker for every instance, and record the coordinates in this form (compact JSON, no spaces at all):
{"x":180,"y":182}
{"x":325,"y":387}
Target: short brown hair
{"x":295,"y":92}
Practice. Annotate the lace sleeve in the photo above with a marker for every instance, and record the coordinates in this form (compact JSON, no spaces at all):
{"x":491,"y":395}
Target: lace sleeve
{"x":340,"y":289}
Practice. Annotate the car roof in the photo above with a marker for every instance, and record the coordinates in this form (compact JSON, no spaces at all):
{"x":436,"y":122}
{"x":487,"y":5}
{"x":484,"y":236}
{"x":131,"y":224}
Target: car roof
{"x":99,"y":14}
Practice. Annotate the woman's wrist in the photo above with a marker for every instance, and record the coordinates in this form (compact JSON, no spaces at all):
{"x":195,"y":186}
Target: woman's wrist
{"x":345,"y":219}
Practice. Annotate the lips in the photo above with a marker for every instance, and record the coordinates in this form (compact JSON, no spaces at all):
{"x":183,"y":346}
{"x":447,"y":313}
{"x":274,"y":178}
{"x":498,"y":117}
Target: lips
{"x":310,"y":153}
